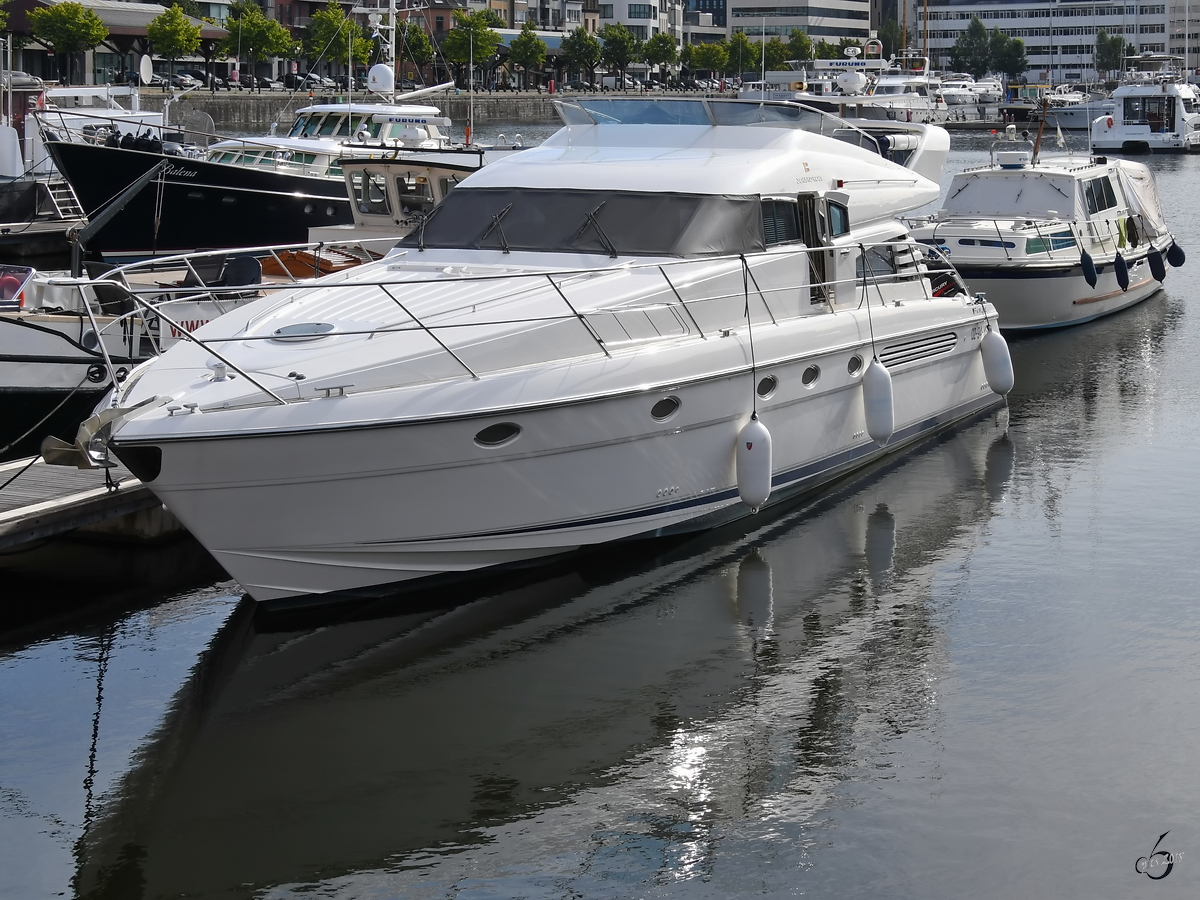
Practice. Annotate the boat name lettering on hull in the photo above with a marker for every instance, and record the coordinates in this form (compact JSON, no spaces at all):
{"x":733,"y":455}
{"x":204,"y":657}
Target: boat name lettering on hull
{"x":180,"y":172}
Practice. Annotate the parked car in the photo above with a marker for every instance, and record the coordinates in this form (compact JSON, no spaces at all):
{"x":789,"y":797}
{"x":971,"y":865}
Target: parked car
{"x":302,"y":82}
{"x":204,"y":78}
{"x":183,"y":82}
{"x":270,"y":84}
{"x":579,"y":85}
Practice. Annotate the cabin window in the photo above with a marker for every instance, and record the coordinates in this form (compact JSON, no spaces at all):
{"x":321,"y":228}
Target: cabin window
{"x":877,"y":262}
{"x":414,"y":193}
{"x":1156,"y":112}
{"x":330,"y":125}
{"x":314,"y":122}
{"x":370,"y":193}
{"x":839,"y":220}
{"x":1060,"y":240}
{"x":780,"y":224}
{"x":1098,"y":193}
{"x":298,"y":127}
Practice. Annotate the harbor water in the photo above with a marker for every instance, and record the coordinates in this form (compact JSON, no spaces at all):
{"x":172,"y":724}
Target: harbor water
{"x":971,"y":671}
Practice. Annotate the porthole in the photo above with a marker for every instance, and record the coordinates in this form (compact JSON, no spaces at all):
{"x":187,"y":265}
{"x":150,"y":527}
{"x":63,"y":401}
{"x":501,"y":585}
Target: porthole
{"x":855,"y":365}
{"x":810,"y":376}
{"x":766,"y":386}
{"x":302,"y":331}
{"x":498,"y":435}
{"x":664,"y":408}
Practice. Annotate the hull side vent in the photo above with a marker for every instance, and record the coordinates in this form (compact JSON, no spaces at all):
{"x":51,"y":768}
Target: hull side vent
{"x":918,"y":349}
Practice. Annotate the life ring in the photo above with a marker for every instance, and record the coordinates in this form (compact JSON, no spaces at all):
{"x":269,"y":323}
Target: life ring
{"x":1109,"y":122}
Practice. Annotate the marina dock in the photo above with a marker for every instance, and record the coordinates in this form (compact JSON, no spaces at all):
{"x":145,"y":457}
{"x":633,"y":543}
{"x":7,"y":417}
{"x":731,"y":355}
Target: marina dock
{"x":44,"y":501}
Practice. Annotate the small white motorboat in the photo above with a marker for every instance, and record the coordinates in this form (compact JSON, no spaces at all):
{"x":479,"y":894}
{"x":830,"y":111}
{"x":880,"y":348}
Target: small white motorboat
{"x":1054,"y":240}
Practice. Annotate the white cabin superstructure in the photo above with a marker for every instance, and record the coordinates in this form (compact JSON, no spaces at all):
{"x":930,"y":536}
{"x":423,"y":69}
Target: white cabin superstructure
{"x":1155,"y":109}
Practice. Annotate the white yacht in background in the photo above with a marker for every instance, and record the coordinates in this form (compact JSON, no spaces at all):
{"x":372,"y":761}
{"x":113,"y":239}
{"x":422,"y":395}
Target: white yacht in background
{"x":1057,"y":240}
{"x":1154,"y":109}
{"x":670,"y":314}
{"x":988,"y":90}
{"x":958,"y":90}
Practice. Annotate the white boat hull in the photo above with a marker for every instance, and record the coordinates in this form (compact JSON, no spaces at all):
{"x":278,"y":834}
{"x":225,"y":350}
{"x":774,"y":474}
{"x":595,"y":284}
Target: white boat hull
{"x":1029,"y":297}
{"x":336,"y":510}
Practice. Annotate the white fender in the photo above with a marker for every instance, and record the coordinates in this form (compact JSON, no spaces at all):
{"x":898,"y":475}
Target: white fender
{"x":877,"y":402}
{"x":754,"y":463}
{"x":997,"y":363}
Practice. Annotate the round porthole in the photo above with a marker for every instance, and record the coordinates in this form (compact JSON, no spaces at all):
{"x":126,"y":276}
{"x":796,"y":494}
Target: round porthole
{"x":855,"y":365}
{"x":664,"y":408}
{"x":766,"y":386}
{"x":498,"y":435}
{"x":302,"y":331}
{"x":810,"y":376}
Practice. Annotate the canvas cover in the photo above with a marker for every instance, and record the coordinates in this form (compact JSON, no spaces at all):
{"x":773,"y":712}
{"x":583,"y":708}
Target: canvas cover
{"x":557,"y":221}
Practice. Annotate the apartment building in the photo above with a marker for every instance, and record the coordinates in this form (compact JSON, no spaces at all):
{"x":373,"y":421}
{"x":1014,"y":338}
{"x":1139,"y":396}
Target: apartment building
{"x":1059,"y":36}
{"x":828,"y":20}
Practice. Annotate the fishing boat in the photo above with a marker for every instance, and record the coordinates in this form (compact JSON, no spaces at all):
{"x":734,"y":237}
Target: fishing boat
{"x":673,"y":313}
{"x":1155,"y":109}
{"x":1054,"y":240}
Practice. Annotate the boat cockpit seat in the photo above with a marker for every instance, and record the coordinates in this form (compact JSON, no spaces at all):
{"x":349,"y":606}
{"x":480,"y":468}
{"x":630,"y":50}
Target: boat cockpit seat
{"x":113,"y":298}
{"x":208,"y":271}
{"x":241,"y":271}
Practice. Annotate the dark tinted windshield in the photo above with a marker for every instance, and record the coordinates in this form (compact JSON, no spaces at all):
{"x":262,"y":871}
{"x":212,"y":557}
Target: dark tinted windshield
{"x":579,"y":221}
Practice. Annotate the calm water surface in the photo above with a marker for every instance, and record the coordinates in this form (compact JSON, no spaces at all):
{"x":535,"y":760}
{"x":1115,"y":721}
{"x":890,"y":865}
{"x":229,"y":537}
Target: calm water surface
{"x":970,"y":673}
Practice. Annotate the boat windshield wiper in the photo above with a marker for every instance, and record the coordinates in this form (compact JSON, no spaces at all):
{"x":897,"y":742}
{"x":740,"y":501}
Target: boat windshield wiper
{"x":591,"y":220}
{"x":496,"y":225}
{"x":421,"y":229}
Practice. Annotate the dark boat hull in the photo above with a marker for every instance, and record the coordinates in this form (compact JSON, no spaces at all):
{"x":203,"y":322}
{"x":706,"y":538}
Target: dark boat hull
{"x":203,"y":204}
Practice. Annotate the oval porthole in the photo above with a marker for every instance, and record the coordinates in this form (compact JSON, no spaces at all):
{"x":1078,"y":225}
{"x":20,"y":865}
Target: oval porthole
{"x":302,"y":331}
{"x":810,"y":376}
{"x":664,"y":408}
{"x":766,"y":386}
{"x":855,"y":365}
{"x":498,"y":435}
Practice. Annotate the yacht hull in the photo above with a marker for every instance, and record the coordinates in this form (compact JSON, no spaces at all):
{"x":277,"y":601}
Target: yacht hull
{"x":203,"y":204}
{"x":323,"y":511}
{"x":1028,"y":297}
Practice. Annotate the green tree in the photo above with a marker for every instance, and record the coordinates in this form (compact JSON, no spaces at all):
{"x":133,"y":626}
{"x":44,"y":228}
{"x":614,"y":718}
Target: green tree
{"x":825,"y":50}
{"x":330,"y":35}
{"x":1010,"y":58}
{"x":800,"y":47}
{"x":527,"y":50}
{"x":1110,"y":52}
{"x":470,"y":40}
{"x":68,"y":28}
{"x":972,"y":51}
{"x":777,"y":54}
{"x":660,"y":51}
{"x":686,"y":60}
{"x":582,"y":50}
{"x":252,"y":35}
{"x":415,"y":46}
{"x":620,"y":47}
{"x":741,"y":54}
{"x":891,"y":35}
{"x":172,"y":34}
{"x":710,"y":57}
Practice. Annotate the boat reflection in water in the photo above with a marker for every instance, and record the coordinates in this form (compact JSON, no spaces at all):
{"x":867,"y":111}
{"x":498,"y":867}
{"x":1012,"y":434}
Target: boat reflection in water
{"x":528,"y":736}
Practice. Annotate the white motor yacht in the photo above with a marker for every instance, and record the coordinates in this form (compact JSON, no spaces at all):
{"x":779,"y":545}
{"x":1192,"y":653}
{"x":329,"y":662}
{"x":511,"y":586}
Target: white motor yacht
{"x":959,"y":90}
{"x":1154,"y":109}
{"x":1057,"y":240}
{"x":988,"y":90}
{"x":672,"y":313}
